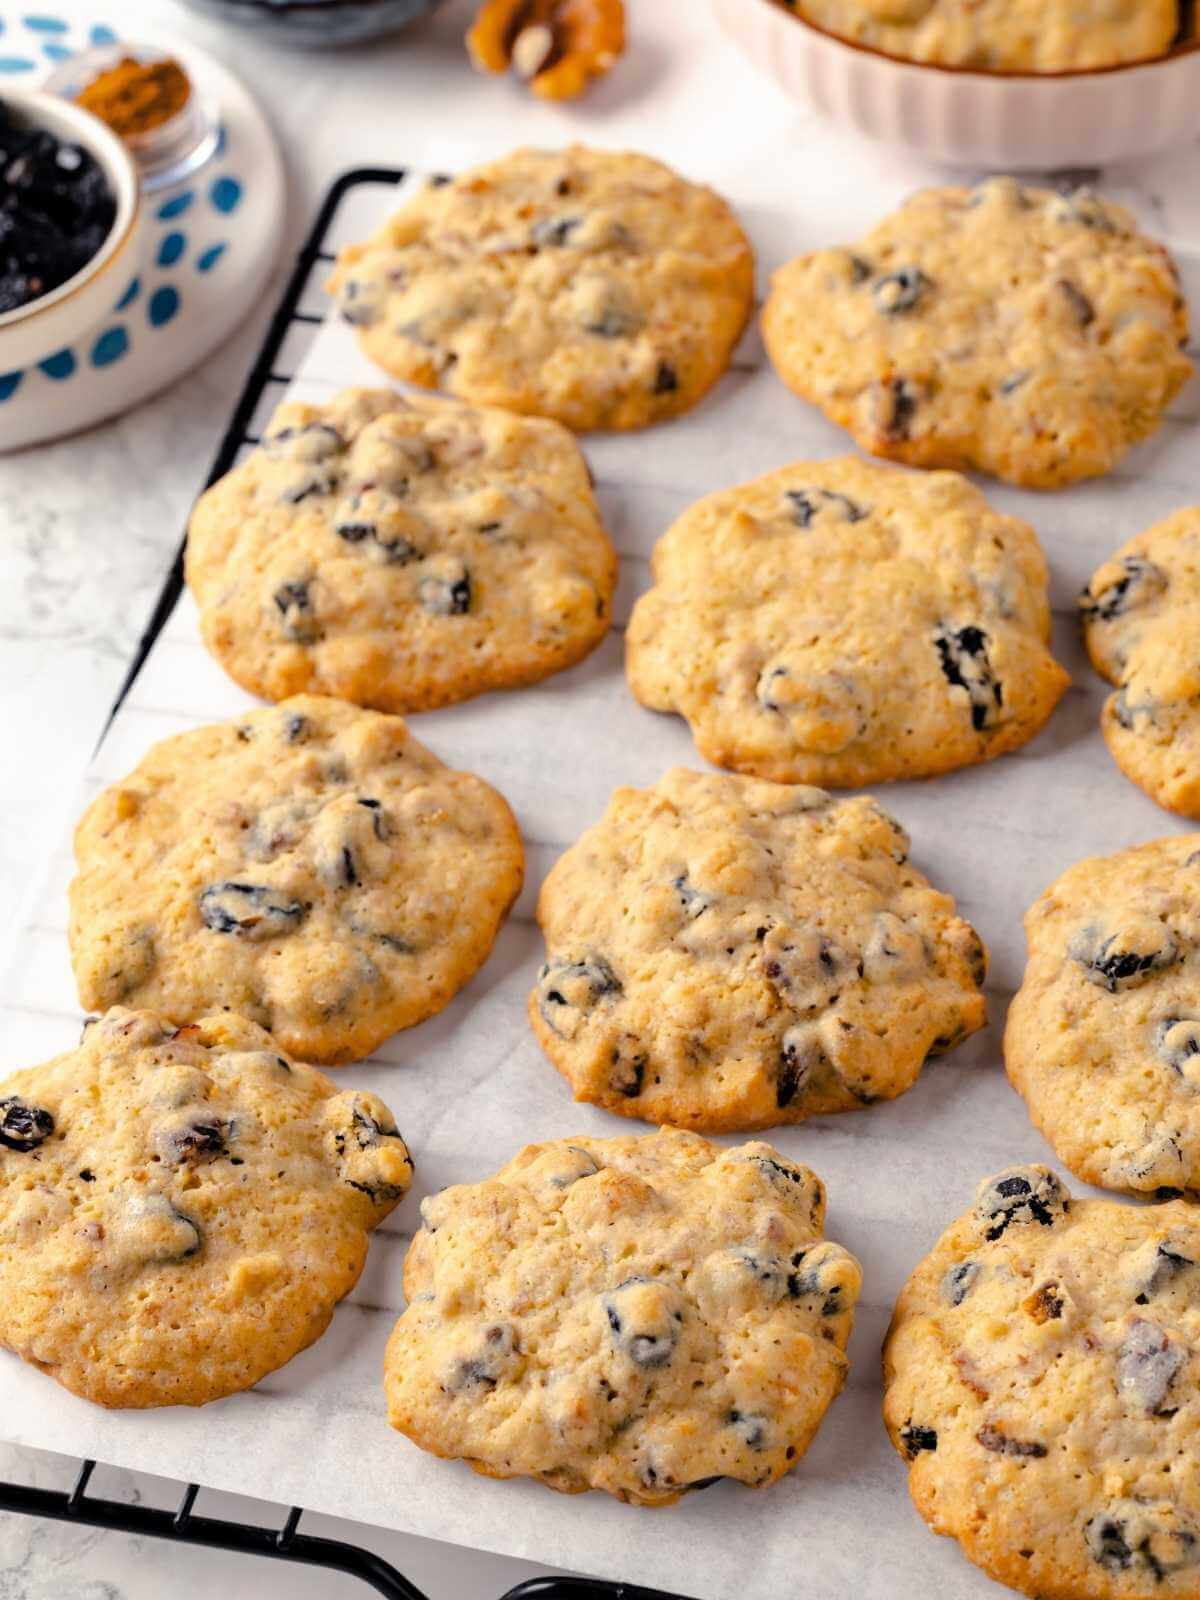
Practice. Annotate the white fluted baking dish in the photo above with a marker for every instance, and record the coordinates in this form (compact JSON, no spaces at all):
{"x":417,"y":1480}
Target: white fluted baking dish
{"x":970,"y":118}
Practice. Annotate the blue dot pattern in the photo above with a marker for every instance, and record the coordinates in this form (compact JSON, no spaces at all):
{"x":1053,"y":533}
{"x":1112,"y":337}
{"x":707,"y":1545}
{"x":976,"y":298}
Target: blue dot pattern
{"x":176,"y":205}
{"x":59,"y":366}
{"x":171,"y":248}
{"x":34,"y":38}
{"x":225,"y":194}
{"x":109,"y":347}
{"x":164,"y":303}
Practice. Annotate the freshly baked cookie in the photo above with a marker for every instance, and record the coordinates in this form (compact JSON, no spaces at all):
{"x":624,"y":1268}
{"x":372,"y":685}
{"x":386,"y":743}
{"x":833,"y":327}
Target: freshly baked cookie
{"x":1032,"y":335}
{"x":1103,"y":1036}
{"x":1043,"y":1383}
{"x":1141,"y":615}
{"x":310,"y":866}
{"x":725,"y":954}
{"x":642,"y":1316}
{"x":841,"y":623}
{"x":401,"y":553}
{"x":592,"y":286}
{"x":1004,"y":35}
{"x":182,"y":1207}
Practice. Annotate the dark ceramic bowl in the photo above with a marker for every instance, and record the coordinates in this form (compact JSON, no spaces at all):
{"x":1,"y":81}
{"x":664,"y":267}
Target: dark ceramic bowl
{"x":317,"y":22}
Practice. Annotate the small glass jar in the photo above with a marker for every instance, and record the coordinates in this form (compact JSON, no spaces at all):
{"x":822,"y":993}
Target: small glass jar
{"x":163,"y":155}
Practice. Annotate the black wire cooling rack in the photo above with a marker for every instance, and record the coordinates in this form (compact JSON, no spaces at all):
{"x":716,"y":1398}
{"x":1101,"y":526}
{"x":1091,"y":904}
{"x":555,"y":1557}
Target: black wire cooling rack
{"x":184,"y":1525}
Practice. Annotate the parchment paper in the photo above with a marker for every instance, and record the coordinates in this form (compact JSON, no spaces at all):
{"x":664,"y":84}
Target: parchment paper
{"x":470,"y":1086}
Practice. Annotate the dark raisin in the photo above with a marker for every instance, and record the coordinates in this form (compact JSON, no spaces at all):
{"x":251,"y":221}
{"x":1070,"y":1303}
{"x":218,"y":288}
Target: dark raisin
{"x":751,"y":1428}
{"x":1177,"y":1044}
{"x":666,"y":379}
{"x":249,"y":911}
{"x":1125,"y":959}
{"x":1021,"y":1195}
{"x":1000,"y":1444}
{"x":448,"y":596}
{"x":554,"y":232}
{"x":611,"y":324}
{"x":860,"y":268}
{"x":644,"y":1319}
{"x":574,"y":985}
{"x":813,"y":1280}
{"x":896,"y":402}
{"x":901,"y":291}
{"x":959,"y":1280}
{"x":915,"y":1438}
{"x":1140,"y":582}
{"x":196,"y":1141}
{"x":808,"y":504}
{"x":963,"y":657}
{"x":693,"y":901}
{"x":293,"y":601}
{"x":22,"y":1126}
{"x":800,"y":1057}
{"x":1081,"y":308}
{"x":1013,"y":382}
{"x":1135,"y":1536}
{"x":1081,"y":206}
{"x":1168,"y":1264}
{"x":485,"y":1370}
{"x":1147,"y":1365}
{"x":295,"y":727}
{"x":369,"y":1134}
{"x":628,"y":1072}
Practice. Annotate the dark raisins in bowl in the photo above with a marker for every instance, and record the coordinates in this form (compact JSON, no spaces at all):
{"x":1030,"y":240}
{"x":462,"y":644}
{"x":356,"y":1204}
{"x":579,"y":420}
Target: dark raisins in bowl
{"x":22,"y":1126}
{"x":1021,"y":1195}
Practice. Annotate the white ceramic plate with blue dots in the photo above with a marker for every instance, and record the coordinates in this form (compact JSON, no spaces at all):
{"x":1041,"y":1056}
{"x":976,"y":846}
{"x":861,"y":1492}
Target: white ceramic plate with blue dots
{"x":207,"y":245}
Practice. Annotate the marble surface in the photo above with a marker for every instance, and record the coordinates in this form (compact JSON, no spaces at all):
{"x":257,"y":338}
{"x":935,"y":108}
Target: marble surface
{"x":90,"y":524}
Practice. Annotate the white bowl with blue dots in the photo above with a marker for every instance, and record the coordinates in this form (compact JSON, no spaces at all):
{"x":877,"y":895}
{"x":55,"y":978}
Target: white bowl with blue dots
{"x":209,"y":243}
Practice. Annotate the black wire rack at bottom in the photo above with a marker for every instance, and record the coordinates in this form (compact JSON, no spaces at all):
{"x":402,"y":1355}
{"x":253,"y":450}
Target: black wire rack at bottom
{"x":184,"y":1526}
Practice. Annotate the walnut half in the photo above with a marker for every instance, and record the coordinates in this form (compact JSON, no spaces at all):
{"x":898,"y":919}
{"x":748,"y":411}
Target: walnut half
{"x":557,"y":46}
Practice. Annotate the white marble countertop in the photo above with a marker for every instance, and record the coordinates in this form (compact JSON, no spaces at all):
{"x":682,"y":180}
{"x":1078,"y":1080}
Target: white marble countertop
{"x":89,"y":526}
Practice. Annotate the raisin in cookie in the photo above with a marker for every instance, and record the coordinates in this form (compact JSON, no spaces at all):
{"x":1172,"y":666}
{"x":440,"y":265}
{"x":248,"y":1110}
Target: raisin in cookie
{"x":1043,"y":1383}
{"x":1103,"y":1036}
{"x":1032,"y":335}
{"x":592,"y":286}
{"x":401,"y":553}
{"x":642,"y":1316}
{"x":725,"y":954}
{"x":310,"y":866}
{"x":1004,"y":35}
{"x":182,"y":1207}
{"x":841,"y":623}
{"x":1141,"y":619}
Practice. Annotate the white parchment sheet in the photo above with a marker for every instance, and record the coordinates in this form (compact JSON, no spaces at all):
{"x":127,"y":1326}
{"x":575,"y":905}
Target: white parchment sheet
{"x":470,"y":1087}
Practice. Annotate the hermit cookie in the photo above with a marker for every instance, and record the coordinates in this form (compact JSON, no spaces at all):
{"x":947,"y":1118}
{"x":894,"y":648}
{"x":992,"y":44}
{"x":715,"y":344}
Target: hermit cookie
{"x":592,"y":286}
{"x":1004,"y":35}
{"x":1103,"y":1037}
{"x":1138,"y":610}
{"x":401,"y":553}
{"x":182,"y":1207}
{"x":841,"y":623}
{"x":1032,"y":335}
{"x":1041,"y":1381}
{"x":642,"y":1316}
{"x":726,"y":954}
{"x":310,"y":866}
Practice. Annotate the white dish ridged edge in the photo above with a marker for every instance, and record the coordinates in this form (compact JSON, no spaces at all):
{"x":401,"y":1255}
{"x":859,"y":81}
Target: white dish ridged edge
{"x":972,"y":118}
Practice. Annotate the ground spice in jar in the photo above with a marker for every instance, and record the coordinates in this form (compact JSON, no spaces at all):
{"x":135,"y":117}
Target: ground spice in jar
{"x":137,"y":96}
